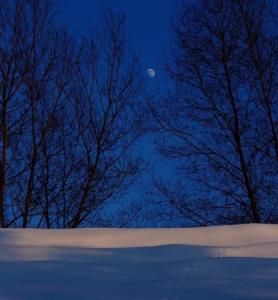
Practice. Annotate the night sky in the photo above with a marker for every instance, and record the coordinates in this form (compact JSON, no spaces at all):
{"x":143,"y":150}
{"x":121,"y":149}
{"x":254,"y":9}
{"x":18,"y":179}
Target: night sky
{"x":148,"y":23}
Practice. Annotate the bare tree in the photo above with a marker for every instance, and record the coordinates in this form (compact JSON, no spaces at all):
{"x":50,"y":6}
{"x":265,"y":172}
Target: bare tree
{"x":220,"y":123}
{"x":107,"y":117}
{"x":69,"y":117}
{"x":14,"y":67}
{"x":262,"y":65}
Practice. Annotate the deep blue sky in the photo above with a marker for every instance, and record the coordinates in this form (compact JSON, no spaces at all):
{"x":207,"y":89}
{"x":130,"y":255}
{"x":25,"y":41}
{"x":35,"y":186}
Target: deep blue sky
{"x":148,"y":22}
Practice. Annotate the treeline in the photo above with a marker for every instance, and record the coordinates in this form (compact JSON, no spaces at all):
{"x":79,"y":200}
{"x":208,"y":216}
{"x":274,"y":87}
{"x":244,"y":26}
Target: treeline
{"x":72,"y":110}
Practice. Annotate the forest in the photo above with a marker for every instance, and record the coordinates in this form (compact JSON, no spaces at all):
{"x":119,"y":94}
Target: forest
{"x":75,"y":110}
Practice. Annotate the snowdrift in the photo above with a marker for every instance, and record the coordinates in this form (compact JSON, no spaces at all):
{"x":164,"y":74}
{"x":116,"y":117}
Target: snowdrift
{"x":225,"y":262}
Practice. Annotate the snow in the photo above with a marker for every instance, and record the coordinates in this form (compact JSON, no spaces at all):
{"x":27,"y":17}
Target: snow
{"x":214,"y":263}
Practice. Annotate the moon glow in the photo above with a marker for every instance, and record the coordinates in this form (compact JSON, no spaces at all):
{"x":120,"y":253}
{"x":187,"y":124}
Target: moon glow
{"x":151,"y":72}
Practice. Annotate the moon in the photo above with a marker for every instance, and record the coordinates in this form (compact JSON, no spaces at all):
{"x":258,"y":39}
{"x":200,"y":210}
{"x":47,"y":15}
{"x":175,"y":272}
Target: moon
{"x":151,"y":72}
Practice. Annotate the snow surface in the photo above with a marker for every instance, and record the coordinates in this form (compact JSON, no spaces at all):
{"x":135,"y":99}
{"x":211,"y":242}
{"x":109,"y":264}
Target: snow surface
{"x":214,"y":263}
